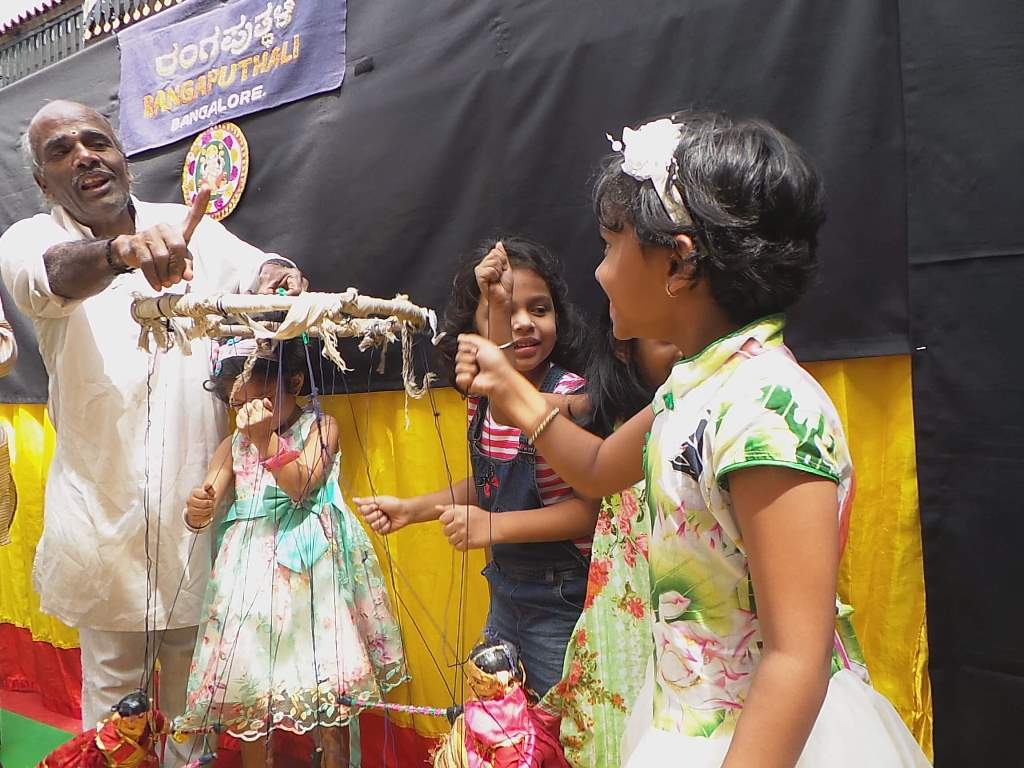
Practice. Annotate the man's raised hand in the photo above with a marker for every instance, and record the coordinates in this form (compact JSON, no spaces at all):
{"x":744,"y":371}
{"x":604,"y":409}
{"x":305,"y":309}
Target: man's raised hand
{"x":196,"y":212}
{"x":161,"y":252}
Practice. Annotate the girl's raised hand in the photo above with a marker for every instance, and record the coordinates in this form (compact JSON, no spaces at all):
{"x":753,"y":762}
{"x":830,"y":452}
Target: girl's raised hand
{"x":494,"y":275}
{"x":254,"y":420}
{"x":481,"y":368}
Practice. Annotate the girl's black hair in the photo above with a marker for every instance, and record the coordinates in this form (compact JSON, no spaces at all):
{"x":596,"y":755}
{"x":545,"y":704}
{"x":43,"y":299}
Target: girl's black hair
{"x":459,"y":316}
{"x":615,"y":387}
{"x":756,"y":205}
{"x":290,"y":352}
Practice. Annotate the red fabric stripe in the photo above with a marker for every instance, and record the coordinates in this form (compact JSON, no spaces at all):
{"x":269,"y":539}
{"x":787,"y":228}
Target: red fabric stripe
{"x":568,"y":384}
{"x":30,"y":706}
{"x":492,"y":443}
{"x":499,"y":435}
{"x":38,"y":667}
{"x":498,"y":444}
{"x":499,"y":430}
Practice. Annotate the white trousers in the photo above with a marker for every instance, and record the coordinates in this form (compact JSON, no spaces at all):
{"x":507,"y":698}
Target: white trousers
{"x":112,"y":667}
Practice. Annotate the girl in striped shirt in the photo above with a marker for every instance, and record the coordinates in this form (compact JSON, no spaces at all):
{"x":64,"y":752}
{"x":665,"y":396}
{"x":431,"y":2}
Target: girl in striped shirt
{"x":538,"y":531}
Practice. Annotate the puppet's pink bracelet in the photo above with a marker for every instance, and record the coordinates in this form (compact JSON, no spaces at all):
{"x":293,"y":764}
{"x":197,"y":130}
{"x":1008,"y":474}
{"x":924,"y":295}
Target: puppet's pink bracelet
{"x":281,"y":459}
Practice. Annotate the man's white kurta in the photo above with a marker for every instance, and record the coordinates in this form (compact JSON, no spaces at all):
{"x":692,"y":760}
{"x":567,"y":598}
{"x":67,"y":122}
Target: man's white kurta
{"x":135,"y":432}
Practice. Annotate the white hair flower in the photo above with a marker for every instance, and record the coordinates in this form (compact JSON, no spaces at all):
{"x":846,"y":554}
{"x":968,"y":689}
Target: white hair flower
{"x":649,"y":153}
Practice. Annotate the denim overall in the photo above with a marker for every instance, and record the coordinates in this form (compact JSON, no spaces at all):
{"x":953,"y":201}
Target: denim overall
{"x":537,"y":590}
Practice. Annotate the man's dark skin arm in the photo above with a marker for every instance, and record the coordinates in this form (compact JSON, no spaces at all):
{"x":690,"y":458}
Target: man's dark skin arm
{"x":78,"y":270}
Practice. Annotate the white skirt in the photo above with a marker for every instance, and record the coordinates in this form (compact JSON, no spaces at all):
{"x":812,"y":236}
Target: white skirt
{"x":856,"y":727}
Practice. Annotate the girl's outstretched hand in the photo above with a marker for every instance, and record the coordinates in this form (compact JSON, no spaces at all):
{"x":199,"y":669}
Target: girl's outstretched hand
{"x":466,"y":526}
{"x":480,"y":367}
{"x":384,"y":514}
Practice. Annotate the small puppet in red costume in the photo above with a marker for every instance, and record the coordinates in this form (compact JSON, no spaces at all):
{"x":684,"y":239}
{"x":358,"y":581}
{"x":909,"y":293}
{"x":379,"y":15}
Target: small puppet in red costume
{"x":499,"y":728}
{"x":128,"y":738}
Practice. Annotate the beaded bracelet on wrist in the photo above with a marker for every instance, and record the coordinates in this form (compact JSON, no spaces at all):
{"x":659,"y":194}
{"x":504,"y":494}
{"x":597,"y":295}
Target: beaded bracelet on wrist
{"x":119,"y":269}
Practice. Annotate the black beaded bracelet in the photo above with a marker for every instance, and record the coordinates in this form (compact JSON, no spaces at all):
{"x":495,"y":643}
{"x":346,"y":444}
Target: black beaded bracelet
{"x":119,"y":269}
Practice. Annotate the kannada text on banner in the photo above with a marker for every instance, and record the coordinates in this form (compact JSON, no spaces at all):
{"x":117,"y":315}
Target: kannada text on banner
{"x":203,"y":63}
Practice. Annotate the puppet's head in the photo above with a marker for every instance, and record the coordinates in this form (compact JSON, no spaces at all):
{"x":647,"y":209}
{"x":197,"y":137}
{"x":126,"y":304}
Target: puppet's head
{"x":132,"y":714}
{"x":493,"y":668}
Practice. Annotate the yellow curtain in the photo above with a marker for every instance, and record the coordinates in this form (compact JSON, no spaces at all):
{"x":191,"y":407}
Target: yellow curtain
{"x":438,"y":590}
{"x":882,"y":573}
{"x":31,"y":450}
{"x":441,"y":597}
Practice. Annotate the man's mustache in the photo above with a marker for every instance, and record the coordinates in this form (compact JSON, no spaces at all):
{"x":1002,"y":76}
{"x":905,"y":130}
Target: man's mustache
{"x":92,"y":172}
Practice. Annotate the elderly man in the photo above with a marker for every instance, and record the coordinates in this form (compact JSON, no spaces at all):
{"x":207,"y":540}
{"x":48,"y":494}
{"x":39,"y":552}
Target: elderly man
{"x":135,"y":431}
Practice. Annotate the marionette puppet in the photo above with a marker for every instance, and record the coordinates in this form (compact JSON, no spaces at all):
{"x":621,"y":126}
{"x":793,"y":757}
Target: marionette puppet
{"x":499,"y":727}
{"x":130,"y":737}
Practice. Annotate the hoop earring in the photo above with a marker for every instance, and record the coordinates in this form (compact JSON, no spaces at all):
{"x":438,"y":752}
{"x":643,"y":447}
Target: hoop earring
{"x":670,"y":294}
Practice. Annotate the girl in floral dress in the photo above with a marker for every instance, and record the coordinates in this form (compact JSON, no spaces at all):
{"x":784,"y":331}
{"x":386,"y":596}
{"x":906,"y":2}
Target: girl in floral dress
{"x":296,"y":613}
{"x":710,"y":228}
{"x":608,"y":650}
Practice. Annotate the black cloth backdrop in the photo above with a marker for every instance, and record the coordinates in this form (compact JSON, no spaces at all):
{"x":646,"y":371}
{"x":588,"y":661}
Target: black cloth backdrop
{"x":490,"y":117}
{"x":964,"y":96}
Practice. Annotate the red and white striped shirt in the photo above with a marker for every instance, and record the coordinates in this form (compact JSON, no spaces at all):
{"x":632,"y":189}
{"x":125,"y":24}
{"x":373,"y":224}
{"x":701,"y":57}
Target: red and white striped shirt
{"x":502,"y":443}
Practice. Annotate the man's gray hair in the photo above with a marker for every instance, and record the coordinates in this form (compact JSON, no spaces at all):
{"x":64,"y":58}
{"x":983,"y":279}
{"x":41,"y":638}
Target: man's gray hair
{"x":32,"y":165}
{"x":28,"y":153}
